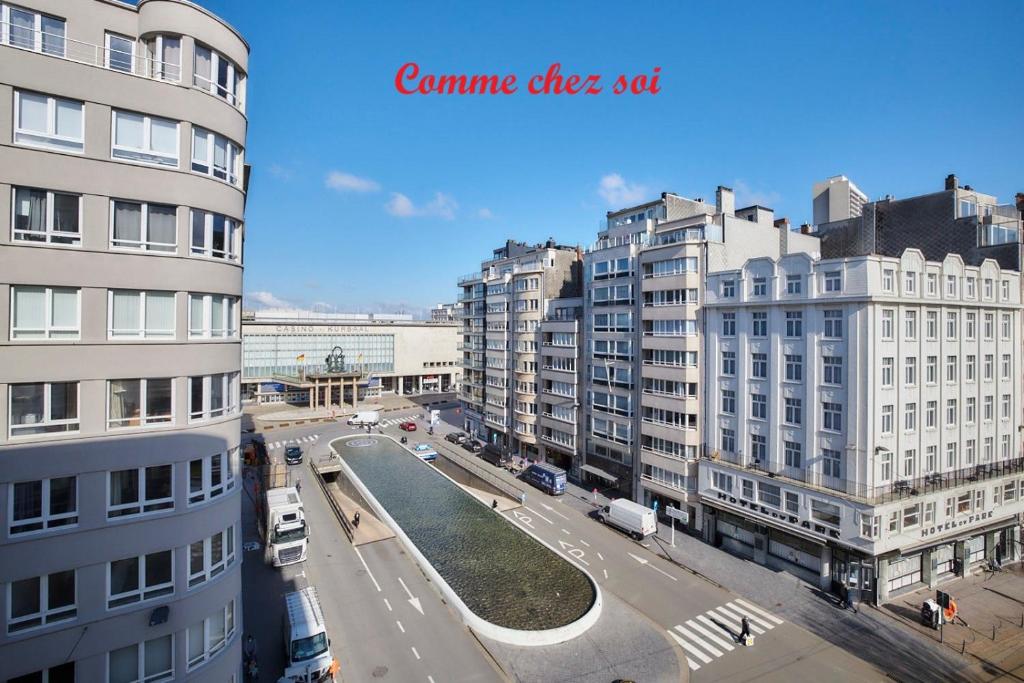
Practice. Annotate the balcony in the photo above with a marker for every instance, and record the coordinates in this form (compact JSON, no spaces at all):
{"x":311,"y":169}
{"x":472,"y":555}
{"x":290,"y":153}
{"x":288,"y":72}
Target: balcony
{"x":470,"y":277}
{"x":902,"y":489}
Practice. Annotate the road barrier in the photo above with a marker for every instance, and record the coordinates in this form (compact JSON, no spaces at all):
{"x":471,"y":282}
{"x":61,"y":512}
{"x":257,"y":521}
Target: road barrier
{"x":480,"y":471}
{"x":346,"y":525}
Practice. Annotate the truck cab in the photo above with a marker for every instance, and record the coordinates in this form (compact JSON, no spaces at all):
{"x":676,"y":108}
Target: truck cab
{"x":286,"y":529}
{"x":307,"y":647}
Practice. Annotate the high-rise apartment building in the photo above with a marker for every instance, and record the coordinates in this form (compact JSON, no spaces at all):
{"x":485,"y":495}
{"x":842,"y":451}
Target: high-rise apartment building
{"x":864,"y":418}
{"x":643,"y":291}
{"x":835,"y":199}
{"x":122,"y":193}
{"x":504,"y":307}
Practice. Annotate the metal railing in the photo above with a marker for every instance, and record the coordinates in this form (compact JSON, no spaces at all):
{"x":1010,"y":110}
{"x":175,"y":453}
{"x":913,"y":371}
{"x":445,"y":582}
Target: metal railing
{"x":900,"y":489}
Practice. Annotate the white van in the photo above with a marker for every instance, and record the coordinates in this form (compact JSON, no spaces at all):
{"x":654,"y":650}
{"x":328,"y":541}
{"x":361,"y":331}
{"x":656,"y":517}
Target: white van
{"x":370,"y":417}
{"x":307,"y":647}
{"x":633,"y":518}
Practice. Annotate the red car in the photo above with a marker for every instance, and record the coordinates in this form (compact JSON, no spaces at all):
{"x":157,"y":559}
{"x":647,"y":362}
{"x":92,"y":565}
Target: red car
{"x":408,"y":426}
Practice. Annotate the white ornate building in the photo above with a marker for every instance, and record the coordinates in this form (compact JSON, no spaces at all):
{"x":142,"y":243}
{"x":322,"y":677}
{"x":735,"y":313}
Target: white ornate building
{"x":863,"y":424}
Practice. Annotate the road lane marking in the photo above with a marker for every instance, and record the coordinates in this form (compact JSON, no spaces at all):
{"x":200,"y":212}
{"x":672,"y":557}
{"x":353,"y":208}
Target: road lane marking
{"x":710,"y":648}
{"x":582,"y":542}
{"x":415,"y":653}
{"x":714,"y":638}
{"x":643,"y":560}
{"x":551,"y":509}
{"x":430,"y":679}
{"x":400,"y":627}
{"x":759,"y":611}
{"x":367,"y":568}
{"x":691,"y":650}
{"x":756,"y":622}
{"x":600,"y":557}
{"x":605,"y":573}
{"x":388,"y":604}
{"x":738,"y":620}
{"x":539,"y":515}
{"x":520,"y":517}
{"x":566,"y":532}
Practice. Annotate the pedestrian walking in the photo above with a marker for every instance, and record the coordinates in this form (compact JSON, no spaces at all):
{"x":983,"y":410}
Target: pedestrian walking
{"x":355,"y":520}
{"x":298,"y":486}
{"x":744,"y":630}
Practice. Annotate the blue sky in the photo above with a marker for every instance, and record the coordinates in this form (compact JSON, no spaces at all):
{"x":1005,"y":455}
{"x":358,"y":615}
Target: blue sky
{"x":763,"y":97}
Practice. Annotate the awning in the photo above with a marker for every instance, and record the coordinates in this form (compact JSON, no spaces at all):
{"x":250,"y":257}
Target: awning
{"x":598,"y":472}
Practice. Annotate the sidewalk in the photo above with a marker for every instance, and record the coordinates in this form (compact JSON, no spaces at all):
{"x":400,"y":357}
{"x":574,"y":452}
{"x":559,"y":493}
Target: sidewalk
{"x":267,"y":415}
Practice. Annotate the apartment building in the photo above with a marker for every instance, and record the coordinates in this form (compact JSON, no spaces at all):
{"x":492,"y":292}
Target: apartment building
{"x":835,"y":199}
{"x":122,"y":192}
{"x":504,"y":306}
{"x":558,"y":385}
{"x":643,"y":345}
{"x":864,"y":418}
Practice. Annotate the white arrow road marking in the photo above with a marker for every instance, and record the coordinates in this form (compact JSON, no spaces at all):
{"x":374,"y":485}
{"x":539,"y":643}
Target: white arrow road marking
{"x":414,"y":601}
{"x":551,"y":509}
{"x":575,"y":552}
{"x":522,"y":518}
{"x":642,"y":560}
{"x":360,"y":556}
{"x":539,"y":515}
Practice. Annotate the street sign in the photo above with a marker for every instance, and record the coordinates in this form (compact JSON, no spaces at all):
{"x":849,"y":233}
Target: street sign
{"x":682,"y":515}
{"x":435,"y":416}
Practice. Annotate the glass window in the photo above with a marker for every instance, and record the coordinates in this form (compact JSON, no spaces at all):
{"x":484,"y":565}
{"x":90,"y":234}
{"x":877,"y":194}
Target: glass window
{"x":41,"y":601}
{"x":139,"y":402}
{"x":824,"y":512}
{"x":30,"y":30}
{"x":217,"y":74}
{"x":120,"y":53}
{"x":214,"y":155}
{"x":215,"y":235}
{"x":140,"y":490}
{"x":43,"y":408}
{"x":42,"y":504}
{"x":209,"y":636}
{"x":145,"y":139}
{"x":45,"y":313}
{"x":46,"y":217}
{"x":141,"y":315}
{"x":152,"y":227}
{"x":147,"y":662}
{"x":164,"y":55}
{"x":135,"y":579}
{"x":50,"y":122}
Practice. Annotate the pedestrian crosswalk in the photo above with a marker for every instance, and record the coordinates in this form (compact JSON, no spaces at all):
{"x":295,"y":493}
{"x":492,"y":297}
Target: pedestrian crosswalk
{"x":294,"y":442}
{"x":715,"y":633}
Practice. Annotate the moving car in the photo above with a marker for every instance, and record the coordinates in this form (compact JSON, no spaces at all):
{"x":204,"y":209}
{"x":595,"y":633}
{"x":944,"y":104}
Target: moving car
{"x":472,"y":446}
{"x":633,"y":518}
{"x":547,"y":478}
{"x":424,"y":451}
{"x":456,"y":437}
{"x":292,"y":455}
{"x":306,"y":645}
{"x":409,"y":426}
{"x":369,"y":417}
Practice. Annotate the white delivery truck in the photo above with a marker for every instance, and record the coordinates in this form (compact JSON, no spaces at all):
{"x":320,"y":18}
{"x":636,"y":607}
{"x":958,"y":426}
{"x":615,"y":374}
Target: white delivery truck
{"x":285,"y":525}
{"x":370,"y":417}
{"x":307,"y":647}
{"x":633,"y":518}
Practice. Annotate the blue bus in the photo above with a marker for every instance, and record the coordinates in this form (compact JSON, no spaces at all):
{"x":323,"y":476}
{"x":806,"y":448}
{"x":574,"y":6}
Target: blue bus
{"x":547,"y":478}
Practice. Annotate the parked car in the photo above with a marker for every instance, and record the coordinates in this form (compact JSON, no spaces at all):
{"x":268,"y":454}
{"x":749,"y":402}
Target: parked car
{"x":409,"y":426}
{"x":293,"y":455}
{"x":472,"y":446}
{"x":496,"y":455}
{"x":633,"y":518}
{"x":424,"y":451}
{"x":547,"y":478}
{"x":456,"y":437}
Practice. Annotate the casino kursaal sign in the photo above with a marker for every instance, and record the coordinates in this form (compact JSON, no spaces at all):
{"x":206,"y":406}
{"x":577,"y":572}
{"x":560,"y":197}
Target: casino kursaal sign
{"x":779,"y":516}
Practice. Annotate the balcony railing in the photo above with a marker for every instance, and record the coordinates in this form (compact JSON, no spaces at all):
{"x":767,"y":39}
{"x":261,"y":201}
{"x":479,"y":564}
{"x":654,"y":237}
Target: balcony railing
{"x":469,"y":277}
{"x":900,"y":489}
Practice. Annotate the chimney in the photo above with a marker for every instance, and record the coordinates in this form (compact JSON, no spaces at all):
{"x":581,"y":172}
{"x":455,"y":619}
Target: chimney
{"x":725,"y":201}
{"x":805,"y":229}
{"x":782,"y":223}
{"x":951,"y":182}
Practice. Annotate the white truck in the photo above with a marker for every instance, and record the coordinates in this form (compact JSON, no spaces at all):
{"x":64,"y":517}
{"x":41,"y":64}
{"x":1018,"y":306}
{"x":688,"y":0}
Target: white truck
{"x":307,"y":647}
{"x":285,"y":526}
{"x":633,"y":518}
{"x":369,"y":417}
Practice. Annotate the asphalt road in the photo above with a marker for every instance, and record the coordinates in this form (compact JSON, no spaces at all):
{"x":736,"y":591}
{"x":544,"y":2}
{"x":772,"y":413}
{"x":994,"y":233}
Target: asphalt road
{"x":379,"y":634}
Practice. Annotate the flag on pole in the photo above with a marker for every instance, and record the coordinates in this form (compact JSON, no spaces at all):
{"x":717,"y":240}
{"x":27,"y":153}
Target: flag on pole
{"x":301,"y":357}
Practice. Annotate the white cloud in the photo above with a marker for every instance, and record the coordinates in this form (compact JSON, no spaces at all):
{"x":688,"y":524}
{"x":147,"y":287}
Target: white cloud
{"x":266,"y":299}
{"x":441,"y":206}
{"x":346,"y":182}
{"x":747,"y":196}
{"x":617,"y":193}
{"x":485,"y":214}
{"x":280,"y":172}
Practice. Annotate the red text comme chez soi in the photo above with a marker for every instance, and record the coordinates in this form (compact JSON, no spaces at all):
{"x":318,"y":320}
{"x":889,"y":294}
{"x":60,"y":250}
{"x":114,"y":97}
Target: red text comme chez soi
{"x":408,"y":81}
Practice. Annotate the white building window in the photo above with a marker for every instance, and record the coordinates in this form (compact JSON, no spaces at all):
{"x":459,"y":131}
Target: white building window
{"x":910,"y":417}
{"x":215,"y":235}
{"x":209,"y":636}
{"x":120,"y":53}
{"x":833,"y":370}
{"x":887,"y":411}
{"x":951,"y":409}
{"x":139,"y":402}
{"x":140,"y":315}
{"x":888,"y":276}
{"x":833,"y":281}
{"x":136,"y":579}
{"x":910,"y":325}
{"x":759,"y":406}
{"x":43,"y":408}
{"x":42,"y":505}
{"x":794,"y":411}
{"x":45,"y":313}
{"x":214,"y":155}
{"x":760,"y":286}
{"x":48,"y":122}
{"x":833,"y":324}
{"x":759,"y":322}
{"x":30,"y":30}
{"x":41,"y":601}
{"x":140,"y":490}
{"x":47,"y":217}
{"x":728,"y":289}
{"x":148,"y":662}
{"x":951,"y":285}
{"x":164,"y":56}
{"x":832,"y":416}
{"x":831,"y":463}
{"x":951,"y":325}
{"x":218,"y":75}
{"x":910,"y":282}
{"x":211,"y":477}
{"x":209,"y":557}
{"x":794,"y":284}
{"x":794,"y":324}
{"x":888,"y":316}
{"x":212,"y":395}
{"x":910,"y":371}
{"x":932,"y":284}
{"x":930,"y":413}
{"x":151,"y":227}
{"x":212,"y":316}
{"x":144,"y":139}
{"x":887,"y":371}
{"x":728,"y":324}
